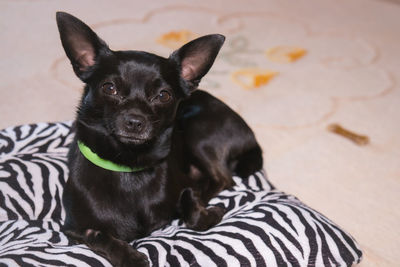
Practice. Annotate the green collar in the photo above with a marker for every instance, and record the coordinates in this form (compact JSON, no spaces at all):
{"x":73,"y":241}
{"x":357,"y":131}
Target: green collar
{"x":103,"y":163}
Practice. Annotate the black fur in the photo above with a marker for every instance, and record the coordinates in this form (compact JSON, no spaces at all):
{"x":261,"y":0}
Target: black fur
{"x":142,"y":110}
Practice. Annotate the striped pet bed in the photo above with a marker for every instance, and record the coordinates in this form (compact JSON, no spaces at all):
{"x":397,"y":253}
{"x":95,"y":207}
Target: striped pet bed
{"x":262,"y":226}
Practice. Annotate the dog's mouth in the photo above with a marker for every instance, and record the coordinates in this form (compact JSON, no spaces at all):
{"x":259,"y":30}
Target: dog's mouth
{"x":130,"y":140}
{"x":126,"y":139}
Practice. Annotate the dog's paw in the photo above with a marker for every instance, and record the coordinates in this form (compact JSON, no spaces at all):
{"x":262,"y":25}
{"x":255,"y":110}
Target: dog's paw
{"x":126,"y":256}
{"x":215,"y":214}
{"x":208,"y":218}
{"x":134,"y":259}
{"x":117,"y":251}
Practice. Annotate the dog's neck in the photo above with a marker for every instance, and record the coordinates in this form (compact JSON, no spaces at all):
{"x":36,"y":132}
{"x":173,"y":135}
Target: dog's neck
{"x":103,"y":163}
{"x":133,"y":156}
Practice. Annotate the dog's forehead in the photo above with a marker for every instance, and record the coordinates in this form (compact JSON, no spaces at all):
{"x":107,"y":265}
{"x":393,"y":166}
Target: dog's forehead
{"x":132,"y":70}
{"x":135,"y":64}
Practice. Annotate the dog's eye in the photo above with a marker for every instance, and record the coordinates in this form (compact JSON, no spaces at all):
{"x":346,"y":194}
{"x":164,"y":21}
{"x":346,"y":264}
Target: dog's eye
{"x":164,"y":96}
{"x":109,"y":88}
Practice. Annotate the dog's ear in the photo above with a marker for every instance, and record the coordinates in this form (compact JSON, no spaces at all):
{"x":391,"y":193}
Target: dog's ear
{"x":81,"y":44}
{"x":196,"y":58}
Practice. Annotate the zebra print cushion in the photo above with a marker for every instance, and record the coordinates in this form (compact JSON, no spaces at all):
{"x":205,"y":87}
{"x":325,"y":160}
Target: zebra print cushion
{"x":262,"y":226}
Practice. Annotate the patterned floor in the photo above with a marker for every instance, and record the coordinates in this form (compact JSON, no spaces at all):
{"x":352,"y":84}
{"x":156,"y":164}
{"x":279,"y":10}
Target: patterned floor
{"x":346,"y":74}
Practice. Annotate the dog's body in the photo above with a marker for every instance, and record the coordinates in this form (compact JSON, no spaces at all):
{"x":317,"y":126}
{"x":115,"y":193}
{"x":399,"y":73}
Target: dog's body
{"x":142,"y":111}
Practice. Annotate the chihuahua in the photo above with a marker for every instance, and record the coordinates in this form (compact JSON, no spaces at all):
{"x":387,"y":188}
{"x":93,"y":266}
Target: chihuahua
{"x":148,"y":146}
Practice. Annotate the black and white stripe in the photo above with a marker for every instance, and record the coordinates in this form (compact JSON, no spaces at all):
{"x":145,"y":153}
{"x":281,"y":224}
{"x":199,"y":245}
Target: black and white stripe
{"x":262,"y":226}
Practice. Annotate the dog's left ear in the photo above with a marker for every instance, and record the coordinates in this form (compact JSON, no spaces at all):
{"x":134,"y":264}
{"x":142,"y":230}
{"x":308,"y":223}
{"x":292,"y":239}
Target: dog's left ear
{"x":196,"y":58}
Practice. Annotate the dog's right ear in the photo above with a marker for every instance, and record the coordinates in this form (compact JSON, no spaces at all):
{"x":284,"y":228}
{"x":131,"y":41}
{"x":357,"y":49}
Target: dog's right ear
{"x":82,"y":45}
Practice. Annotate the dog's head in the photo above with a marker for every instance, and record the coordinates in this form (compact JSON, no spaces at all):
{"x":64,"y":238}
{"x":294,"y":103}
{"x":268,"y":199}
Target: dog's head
{"x":132,"y":96}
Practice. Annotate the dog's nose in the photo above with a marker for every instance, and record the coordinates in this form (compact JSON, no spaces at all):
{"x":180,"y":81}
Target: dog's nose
{"x":134,"y":123}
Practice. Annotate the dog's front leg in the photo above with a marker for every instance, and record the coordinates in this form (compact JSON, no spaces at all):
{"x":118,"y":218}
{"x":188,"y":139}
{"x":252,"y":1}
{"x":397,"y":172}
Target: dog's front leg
{"x":117,"y":251}
{"x":195,"y":214}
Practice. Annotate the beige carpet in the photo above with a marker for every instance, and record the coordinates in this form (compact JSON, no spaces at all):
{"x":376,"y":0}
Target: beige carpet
{"x":349,"y":75}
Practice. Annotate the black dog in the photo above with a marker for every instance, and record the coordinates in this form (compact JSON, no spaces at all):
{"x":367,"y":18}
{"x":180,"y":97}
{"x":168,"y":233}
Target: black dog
{"x":148,"y":147}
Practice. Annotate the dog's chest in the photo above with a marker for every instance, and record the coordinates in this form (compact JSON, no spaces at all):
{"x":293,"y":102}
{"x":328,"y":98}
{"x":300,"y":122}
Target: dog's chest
{"x":130,"y":204}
